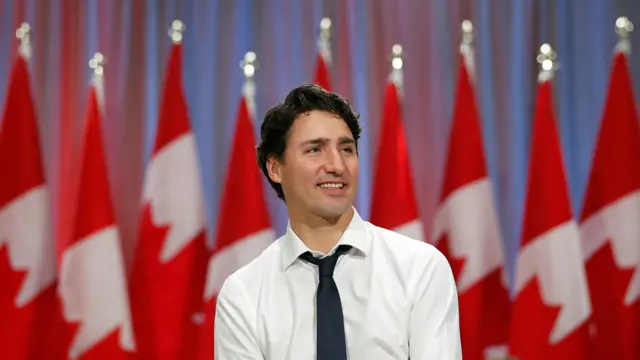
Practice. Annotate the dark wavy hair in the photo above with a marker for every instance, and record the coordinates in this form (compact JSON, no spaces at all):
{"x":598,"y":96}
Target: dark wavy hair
{"x":278,"y":121}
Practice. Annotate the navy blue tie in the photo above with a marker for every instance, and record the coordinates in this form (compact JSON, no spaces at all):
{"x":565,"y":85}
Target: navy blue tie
{"x":330,"y":338}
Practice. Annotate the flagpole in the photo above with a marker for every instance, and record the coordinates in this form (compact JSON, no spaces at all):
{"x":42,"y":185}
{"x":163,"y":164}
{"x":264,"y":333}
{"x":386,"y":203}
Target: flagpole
{"x":324,"y":58}
{"x":324,"y":38}
{"x":466,"y":48}
{"x":249,"y":65}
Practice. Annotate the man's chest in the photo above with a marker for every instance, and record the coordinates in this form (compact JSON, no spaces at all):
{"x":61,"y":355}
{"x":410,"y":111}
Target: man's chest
{"x":375,"y":310}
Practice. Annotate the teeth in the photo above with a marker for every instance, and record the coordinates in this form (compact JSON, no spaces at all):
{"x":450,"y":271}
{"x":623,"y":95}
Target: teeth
{"x":332,"y":185}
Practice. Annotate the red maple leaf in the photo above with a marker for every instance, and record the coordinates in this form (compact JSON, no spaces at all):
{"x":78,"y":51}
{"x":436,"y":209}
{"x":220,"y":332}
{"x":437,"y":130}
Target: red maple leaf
{"x":15,"y":323}
{"x":55,"y":334}
{"x":496,"y":305}
{"x":484,"y":309}
{"x":617,"y":326}
{"x":530,"y":338}
{"x":62,"y":333}
{"x":484,"y":316}
{"x":107,"y":349}
{"x":35,"y":330}
{"x":165,"y":296}
{"x":456,"y":263}
{"x":205,"y":348}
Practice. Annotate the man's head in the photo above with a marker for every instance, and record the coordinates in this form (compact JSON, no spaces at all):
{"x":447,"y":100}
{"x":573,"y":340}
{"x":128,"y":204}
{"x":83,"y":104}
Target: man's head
{"x":308,"y":151}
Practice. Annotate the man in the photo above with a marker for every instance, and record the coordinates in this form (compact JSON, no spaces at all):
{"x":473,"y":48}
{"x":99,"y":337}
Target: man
{"x":334,"y":287}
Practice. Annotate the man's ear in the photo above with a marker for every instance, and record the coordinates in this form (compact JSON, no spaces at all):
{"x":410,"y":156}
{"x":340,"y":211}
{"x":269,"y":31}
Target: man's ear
{"x":274,"y":167}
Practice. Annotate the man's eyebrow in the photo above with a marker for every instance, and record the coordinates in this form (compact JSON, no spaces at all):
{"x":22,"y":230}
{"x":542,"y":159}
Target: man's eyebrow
{"x":316,"y":141}
{"x":321,"y":141}
{"x":346,"y":140}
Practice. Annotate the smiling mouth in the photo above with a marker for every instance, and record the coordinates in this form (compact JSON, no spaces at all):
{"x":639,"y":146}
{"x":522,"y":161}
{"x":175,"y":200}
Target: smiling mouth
{"x":332,"y":185}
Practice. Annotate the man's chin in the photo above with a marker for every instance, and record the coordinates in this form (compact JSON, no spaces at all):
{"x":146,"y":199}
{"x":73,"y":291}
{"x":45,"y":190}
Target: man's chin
{"x":334,"y":211}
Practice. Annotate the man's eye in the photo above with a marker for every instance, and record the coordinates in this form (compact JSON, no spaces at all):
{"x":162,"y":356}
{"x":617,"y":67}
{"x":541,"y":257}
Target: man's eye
{"x":313,"y":149}
{"x":348,"y":149}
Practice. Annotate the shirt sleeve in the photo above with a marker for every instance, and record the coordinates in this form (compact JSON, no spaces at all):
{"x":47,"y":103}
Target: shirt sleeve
{"x":435,"y":328}
{"x":234,"y":336}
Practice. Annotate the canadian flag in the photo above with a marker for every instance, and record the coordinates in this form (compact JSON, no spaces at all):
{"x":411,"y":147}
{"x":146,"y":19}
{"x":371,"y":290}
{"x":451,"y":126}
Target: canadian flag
{"x":467,"y":230}
{"x":323,"y":60}
{"x":92,"y":285}
{"x":170,"y":263}
{"x":393,"y":204}
{"x":609,"y":223}
{"x":27,"y":258}
{"x":244,"y":228}
{"x":551,"y":304}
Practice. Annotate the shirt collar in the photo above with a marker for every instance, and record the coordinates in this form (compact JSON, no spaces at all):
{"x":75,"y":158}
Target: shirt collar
{"x":355,"y":235}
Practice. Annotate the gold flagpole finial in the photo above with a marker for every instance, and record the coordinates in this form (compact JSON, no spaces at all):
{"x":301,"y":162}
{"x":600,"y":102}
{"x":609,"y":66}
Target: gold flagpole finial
{"x":397,"y":57}
{"x":546,"y":57}
{"x":23,"y":32}
{"x":624,"y":27}
{"x":325,"y":28}
{"x":97,"y":63}
{"x":249,"y":64}
{"x":176,"y":32}
{"x":467,"y":31}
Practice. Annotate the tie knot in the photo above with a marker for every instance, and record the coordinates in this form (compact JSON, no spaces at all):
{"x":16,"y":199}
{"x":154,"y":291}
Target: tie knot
{"x":327,"y":264}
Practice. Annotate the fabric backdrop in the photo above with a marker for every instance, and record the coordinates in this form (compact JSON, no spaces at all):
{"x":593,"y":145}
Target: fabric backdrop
{"x":133,"y":37}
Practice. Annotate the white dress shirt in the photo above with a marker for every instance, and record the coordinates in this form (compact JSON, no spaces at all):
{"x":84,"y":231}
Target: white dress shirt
{"x":398,"y":296}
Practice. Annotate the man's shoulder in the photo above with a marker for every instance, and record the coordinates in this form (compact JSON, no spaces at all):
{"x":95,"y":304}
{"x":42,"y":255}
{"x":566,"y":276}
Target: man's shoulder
{"x":405,"y":247}
{"x":415,"y":262}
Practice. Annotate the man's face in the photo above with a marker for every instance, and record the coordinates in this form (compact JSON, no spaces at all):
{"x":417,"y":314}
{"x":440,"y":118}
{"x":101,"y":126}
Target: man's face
{"x":319,"y":172}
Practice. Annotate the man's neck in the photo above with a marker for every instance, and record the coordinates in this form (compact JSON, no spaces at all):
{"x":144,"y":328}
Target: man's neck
{"x":321,"y":234}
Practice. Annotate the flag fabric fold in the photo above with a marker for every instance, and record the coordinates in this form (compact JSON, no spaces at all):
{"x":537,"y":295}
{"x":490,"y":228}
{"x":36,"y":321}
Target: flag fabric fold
{"x":610,"y":230}
{"x":393,"y":203}
{"x":551,"y":302}
{"x":170,"y":261}
{"x":93,"y":287}
{"x":244,"y":227}
{"x":467,"y":231}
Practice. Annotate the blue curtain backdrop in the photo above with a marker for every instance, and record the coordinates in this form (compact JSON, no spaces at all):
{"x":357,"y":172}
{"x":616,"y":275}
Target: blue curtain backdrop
{"x":133,"y":37}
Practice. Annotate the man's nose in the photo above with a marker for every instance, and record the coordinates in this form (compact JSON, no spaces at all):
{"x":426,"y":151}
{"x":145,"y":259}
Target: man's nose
{"x":334,"y":162}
